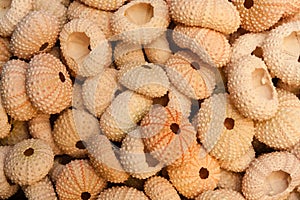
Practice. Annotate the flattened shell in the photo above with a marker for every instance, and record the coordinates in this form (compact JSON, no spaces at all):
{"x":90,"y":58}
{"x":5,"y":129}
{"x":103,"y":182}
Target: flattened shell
{"x":251,"y":89}
{"x":15,"y":99}
{"x":218,"y":15}
{"x":4,"y":52}
{"x":281,"y":131}
{"x":122,"y":192}
{"x":215,"y":45}
{"x":104,"y":4}
{"x":190,"y":75}
{"x":281,"y":52}
{"x":141,"y":21}
{"x":271,"y":176}
{"x":220,"y":194}
{"x":34,"y":34}
{"x":43,"y":189}
{"x":122,"y":116}
{"x":48,"y":84}
{"x":78,"y":180}
{"x":146,"y":79}
{"x":12,"y":12}
{"x":98,"y":91}
{"x":28,"y":162}
{"x":84,"y":47}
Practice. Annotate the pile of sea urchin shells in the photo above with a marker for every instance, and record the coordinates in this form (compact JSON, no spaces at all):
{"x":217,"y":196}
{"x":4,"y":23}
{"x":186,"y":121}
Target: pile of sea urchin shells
{"x":150,"y":99}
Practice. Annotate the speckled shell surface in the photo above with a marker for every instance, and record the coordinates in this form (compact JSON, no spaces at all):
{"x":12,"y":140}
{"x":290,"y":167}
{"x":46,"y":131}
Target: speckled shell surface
{"x":104,"y":4}
{"x":48,"y":84}
{"x":220,"y":194}
{"x":230,"y":180}
{"x":4,"y":52}
{"x":17,"y":133}
{"x":43,"y":189}
{"x":4,"y":123}
{"x":15,"y":99}
{"x":122,"y":192}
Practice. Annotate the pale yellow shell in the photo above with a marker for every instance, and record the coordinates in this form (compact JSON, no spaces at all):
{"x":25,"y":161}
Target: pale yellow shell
{"x":122,"y":116}
{"x":218,"y":15}
{"x":159,"y":188}
{"x":100,"y":17}
{"x":42,"y":189}
{"x":103,"y":158}
{"x":34,"y":34}
{"x":6,"y":189}
{"x":78,"y":180}
{"x":141,"y":21}
{"x":282,"y":130}
{"x":122,"y":192}
{"x":28,"y":162}
{"x":12,"y":12}
{"x":209,"y":45}
{"x":271,"y":176}
{"x":84,"y":47}
{"x":14,"y":95}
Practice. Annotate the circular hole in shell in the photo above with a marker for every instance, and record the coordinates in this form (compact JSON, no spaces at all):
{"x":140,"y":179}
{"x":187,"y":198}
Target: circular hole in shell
{"x":229,"y":123}
{"x":28,"y":152}
{"x":175,"y":128}
{"x":203,"y":173}
{"x":248,"y":4}
{"x":85,"y":196}
{"x":62,"y":77}
{"x":80,"y":145}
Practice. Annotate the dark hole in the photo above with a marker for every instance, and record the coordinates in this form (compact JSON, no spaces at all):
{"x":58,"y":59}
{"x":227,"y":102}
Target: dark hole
{"x":44,"y":46}
{"x":117,"y":92}
{"x":89,"y":48}
{"x":248,"y":4}
{"x":258,"y":52}
{"x":229,"y":123}
{"x":9,"y":182}
{"x":146,"y":66}
{"x":204,"y":173}
{"x":85,"y":195}
{"x":64,"y":159}
{"x":195,"y":65}
{"x":175,"y":128}
{"x":29,"y":152}
{"x":14,"y":58}
{"x":275,"y":81}
{"x":11,"y":127}
{"x":164,"y":100}
{"x":62,"y":77}
{"x":299,"y":59}
{"x":80,"y":145}
{"x":199,"y":141}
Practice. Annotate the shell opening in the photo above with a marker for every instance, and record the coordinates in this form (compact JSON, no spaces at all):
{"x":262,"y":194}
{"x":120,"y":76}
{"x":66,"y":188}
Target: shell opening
{"x":229,"y":123}
{"x":262,"y":84}
{"x":203,"y":173}
{"x":195,"y":65}
{"x":291,"y":46}
{"x":44,"y":46}
{"x":163,"y":101}
{"x":85,"y":196}
{"x":28,"y":152}
{"x":258,"y":52}
{"x":64,"y":159}
{"x":299,"y":59}
{"x":175,"y":128}
{"x":62,"y":77}
{"x":80,"y":145}
{"x":276,"y":182}
{"x":4,"y":7}
{"x":78,"y":46}
{"x":140,"y":13}
{"x":146,"y":66}
{"x":248,"y":4}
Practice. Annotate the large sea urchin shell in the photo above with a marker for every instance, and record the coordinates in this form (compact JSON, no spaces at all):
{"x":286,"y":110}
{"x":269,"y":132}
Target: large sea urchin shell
{"x":48,"y":84}
{"x":122,"y":192}
{"x":271,"y":176}
{"x":13,"y":91}
{"x":213,"y":14}
{"x":141,"y":21}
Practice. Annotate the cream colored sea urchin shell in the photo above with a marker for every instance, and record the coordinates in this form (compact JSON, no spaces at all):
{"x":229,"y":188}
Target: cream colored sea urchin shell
{"x":42,"y":189}
{"x":122,"y":192}
{"x":104,"y":4}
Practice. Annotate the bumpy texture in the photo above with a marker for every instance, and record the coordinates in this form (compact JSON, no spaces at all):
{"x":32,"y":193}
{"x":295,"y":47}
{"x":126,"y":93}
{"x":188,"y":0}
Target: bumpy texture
{"x":34,"y":34}
{"x":281,"y":52}
{"x":15,"y":99}
{"x":122,"y":192}
{"x":251,"y":89}
{"x":122,"y":116}
{"x":159,"y":188}
{"x":230,"y":180}
{"x":141,"y":21}
{"x":104,"y":4}
{"x":18,"y":132}
{"x":28,"y":162}
{"x":271,"y":176}
{"x":79,"y":177}
{"x":84,"y":47}
{"x":4,"y":123}
{"x":209,"y":45}
{"x":190,"y":75}
{"x":4,"y":52}
{"x":220,"y":194}
{"x":48,"y":84}
{"x":40,"y":190}
{"x":282,"y":131}
{"x":12,"y":12}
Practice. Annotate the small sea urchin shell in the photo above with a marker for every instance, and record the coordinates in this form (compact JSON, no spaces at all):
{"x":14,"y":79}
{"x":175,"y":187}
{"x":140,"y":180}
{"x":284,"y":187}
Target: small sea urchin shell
{"x":4,"y":52}
{"x":13,"y":91}
{"x":281,"y":131}
{"x":220,"y":194}
{"x":159,"y":188}
{"x":104,"y":4}
{"x":42,"y":189}
{"x":196,"y":174}
{"x":84,"y":47}
{"x":122,"y":192}
{"x":48,"y":84}
{"x":12,"y":12}
{"x":271,"y":176}
{"x":28,"y":161}
{"x":34,"y":34}
{"x":141,"y":21}
{"x":78,"y":180}
{"x":219,"y":15}
{"x":281,"y":52}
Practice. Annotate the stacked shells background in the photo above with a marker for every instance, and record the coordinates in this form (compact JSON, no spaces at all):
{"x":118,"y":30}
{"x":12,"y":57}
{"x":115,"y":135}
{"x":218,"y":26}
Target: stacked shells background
{"x":150,"y":99}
